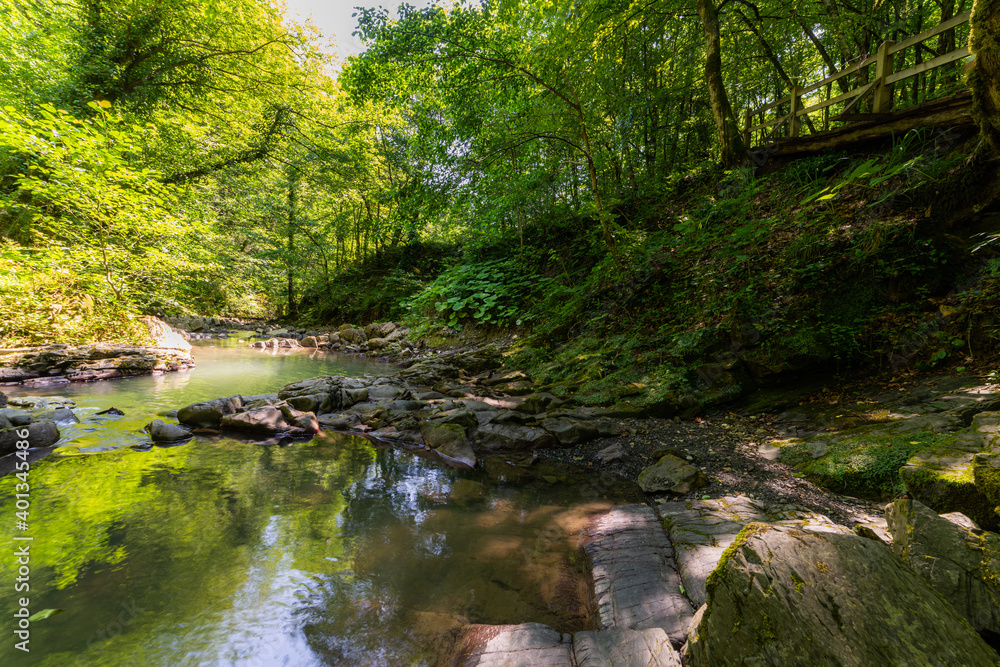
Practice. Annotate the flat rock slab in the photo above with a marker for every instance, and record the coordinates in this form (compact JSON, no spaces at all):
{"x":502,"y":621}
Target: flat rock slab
{"x":700,"y":530}
{"x":525,"y":645}
{"x":636,"y":585}
{"x":625,"y":648}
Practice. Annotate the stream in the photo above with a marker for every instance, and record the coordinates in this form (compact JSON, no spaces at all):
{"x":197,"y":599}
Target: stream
{"x":336,"y":551}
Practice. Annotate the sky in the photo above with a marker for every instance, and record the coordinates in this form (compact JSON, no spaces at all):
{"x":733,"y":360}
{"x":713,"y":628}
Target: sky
{"x":333,"y":19}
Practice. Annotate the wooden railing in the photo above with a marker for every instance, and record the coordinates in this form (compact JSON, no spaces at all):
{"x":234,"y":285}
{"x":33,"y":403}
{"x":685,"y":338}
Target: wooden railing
{"x":787,"y":125}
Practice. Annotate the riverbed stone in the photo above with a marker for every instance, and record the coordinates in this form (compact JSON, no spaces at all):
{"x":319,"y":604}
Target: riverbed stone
{"x":511,"y":436}
{"x":636,"y":585}
{"x":61,"y":416}
{"x":570,"y":432}
{"x":162,"y":432}
{"x":943,"y":478}
{"x":267,"y":420}
{"x":701,"y":530}
{"x":39,"y":434}
{"x":958,"y":560}
{"x":986,"y":477}
{"x":3,"y":400}
{"x":209,"y":414}
{"x":84,"y":363}
{"x":525,"y":645}
{"x":16,"y":417}
{"x":537,"y":403}
{"x":672,"y":474}
{"x":449,"y":440}
{"x":785,"y":596}
{"x":620,"y":648}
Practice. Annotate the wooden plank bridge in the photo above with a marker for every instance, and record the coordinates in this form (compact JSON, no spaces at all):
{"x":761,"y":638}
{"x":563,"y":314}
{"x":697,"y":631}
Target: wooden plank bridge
{"x":890,"y":92}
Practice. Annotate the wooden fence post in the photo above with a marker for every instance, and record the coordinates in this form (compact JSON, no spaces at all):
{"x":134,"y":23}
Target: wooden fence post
{"x":793,"y":131}
{"x":883,"y":68}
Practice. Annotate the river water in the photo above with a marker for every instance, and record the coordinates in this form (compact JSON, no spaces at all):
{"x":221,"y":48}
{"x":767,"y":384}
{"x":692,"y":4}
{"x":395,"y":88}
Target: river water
{"x":337,"y":551}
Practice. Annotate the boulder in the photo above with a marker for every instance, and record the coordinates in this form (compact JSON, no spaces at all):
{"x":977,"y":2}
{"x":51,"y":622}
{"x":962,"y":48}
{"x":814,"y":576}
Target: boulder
{"x":512,"y":436}
{"x":163,"y":335}
{"x":464,"y":418}
{"x":3,"y":400}
{"x":209,"y":414}
{"x":61,"y":416}
{"x":672,"y":474}
{"x":986,"y":477}
{"x":310,"y":341}
{"x":943,"y":479}
{"x":959,"y":561}
{"x":570,"y":432}
{"x":39,"y":434}
{"x":377,"y":343}
{"x":161,"y":432}
{"x":449,"y":440}
{"x":267,"y":421}
{"x":16,"y":417}
{"x":355,"y":336}
{"x":784,"y":596}
{"x":537,"y":403}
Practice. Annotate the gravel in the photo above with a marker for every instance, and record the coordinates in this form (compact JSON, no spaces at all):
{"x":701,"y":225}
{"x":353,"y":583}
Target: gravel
{"x":727,"y":449}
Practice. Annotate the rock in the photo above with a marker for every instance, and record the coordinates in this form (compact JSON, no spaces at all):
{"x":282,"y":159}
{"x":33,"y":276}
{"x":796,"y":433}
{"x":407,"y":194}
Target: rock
{"x":267,"y":420}
{"x":3,"y":400}
{"x":672,"y":474}
{"x":465,"y":418}
{"x":39,"y":434}
{"x":534,"y":404}
{"x":701,"y":530}
{"x":16,"y":417}
{"x":377,"y":343}
{"x":783,"y":596}
{"x":388,"y":392}
{"x":635,"y":582}
{"x":620,"y":648}
{"x":88,"y":362}
{"x":61,"y":416}
{"x":449,"y":440}
{"x":493,"y":436}
{"x":943,"y":479}
{"x":611,"y":453}
{"x":525,"y":645}
{"x":304,"y":422}
{"x":310,"y":341}
{"x":356,"y":336}
{"x":159,"y":431}
{"x":986,"y":477}
{"x":570,"y":432}
{"x":163,"y":335}
{"x":111,"y":412}
{"x":959,"y":561}
{"x":209,"y":414}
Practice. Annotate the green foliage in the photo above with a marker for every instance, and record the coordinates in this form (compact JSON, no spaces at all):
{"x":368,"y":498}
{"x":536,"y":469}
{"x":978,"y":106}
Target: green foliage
{"x":49,"y":296}
{"x":490,"y":293}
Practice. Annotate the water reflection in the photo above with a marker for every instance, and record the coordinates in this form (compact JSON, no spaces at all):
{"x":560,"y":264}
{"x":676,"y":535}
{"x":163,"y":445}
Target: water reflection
{"x":328,"y":552}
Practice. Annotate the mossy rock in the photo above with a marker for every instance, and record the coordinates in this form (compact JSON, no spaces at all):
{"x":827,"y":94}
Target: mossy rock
{"x":943,"y":479}
{"x":986,"y":477}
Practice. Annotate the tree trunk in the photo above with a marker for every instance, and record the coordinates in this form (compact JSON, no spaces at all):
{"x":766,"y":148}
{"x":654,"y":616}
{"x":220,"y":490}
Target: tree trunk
{"x":290,"y":261}
{"x":984,"y":79}
{"x":732,"y":150}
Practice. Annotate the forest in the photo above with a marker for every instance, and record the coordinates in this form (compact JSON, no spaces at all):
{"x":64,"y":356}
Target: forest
{"x":575,"y":173}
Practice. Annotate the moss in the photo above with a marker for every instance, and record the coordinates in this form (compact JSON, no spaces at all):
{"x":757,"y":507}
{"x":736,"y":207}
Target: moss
{"x":744,"y":535}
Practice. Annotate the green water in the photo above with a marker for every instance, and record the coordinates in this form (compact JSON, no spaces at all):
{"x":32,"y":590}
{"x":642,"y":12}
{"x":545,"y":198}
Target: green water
{"x":330,"y":552}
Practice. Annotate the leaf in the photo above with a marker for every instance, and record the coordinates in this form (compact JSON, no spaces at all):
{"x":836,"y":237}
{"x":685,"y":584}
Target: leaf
{"x":44,"y":614}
